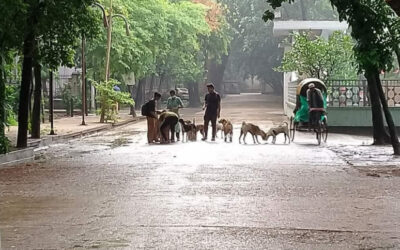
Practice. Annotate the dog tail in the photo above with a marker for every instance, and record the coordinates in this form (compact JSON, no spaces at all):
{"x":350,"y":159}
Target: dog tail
{"x":194,"y":121}
{"x":285,"y":122}
{"x":243,"y":123}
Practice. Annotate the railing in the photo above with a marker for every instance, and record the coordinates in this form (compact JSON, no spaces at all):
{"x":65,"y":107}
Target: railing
{"x":354,"y":93}
{"x":292,"y":89}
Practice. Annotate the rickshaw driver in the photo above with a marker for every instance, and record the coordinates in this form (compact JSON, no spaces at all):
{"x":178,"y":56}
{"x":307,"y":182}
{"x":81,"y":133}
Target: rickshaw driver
{"x":315,"y":101}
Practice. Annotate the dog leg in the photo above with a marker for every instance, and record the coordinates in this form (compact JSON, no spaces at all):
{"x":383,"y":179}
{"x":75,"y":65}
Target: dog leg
{"x":257,"y":139}
{"x":274,"y":139}
{"x":240,"y":137}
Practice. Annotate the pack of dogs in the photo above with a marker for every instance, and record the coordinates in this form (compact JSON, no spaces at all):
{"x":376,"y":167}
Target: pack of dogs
{"x":190,"y":131}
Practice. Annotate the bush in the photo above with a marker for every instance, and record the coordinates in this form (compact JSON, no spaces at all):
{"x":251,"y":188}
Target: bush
{"x":109,"y":98}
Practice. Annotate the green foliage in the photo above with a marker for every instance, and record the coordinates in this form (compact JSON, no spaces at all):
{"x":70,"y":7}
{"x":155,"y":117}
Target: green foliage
{"x":167,"y":38}
{"x":10,"y":104}
{"x":374,"y":26}
{"x":320,"y":58}
{"x":4,"y":144}
{"x":109,"y":98}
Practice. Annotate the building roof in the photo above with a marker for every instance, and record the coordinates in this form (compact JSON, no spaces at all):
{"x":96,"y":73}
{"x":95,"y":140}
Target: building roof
{"x":284,"y":28}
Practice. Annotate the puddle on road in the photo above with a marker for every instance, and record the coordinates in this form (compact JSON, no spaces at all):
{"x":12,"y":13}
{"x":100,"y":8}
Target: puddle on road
{"x":120,"y":142}
{"x":16,"y":207}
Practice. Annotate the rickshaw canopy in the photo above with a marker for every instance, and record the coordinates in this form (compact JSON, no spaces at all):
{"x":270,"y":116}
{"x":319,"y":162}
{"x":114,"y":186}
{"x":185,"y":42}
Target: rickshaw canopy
{"x":303,"y":86}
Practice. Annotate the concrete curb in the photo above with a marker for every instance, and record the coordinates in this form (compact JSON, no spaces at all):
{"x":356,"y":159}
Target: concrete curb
{"x":17,"y":157}
{"x":28,"y":154}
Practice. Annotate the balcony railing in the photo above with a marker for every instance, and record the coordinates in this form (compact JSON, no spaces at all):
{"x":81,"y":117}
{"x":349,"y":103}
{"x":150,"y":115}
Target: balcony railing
{"x":354,"y":93}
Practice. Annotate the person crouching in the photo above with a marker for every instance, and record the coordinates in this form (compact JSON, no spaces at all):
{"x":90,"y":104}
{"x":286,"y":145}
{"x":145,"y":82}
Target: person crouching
{"x":168,"y":121}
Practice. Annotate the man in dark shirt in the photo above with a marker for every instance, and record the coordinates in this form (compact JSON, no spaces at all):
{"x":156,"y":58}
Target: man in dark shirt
{"x":315,"y":101}
{"x":212,"y":105}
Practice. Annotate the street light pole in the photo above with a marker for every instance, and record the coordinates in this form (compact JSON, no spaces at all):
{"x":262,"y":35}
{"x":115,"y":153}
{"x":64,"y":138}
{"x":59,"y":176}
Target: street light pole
{"x":51,"y":103}
{"x":109,"y":31}
{"x":109,"y":38}
{"x":83,"y":80}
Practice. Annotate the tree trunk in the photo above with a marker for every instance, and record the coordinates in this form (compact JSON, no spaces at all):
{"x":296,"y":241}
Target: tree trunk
{"x":395,"y":5}
{"x":139,"y":94}
{"x":23,"y":109}
{"x":37,"y":101}
{"x":216,"y":73}
{"x":3,"y":118}
{"x":162,"y":77}
{"x":194,"y":95}
{"x":152,"y":82}
{"x":380,"y":134}
{"x":132,"y":110}
{"x":303,"y":10}
{"x":389,"y":119}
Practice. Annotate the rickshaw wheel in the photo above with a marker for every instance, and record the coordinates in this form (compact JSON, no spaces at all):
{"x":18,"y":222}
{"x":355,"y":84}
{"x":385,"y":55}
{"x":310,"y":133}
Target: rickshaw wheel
{"x":324,"y":131}
{"x":319,"y":132}
{"x":292,"y":130}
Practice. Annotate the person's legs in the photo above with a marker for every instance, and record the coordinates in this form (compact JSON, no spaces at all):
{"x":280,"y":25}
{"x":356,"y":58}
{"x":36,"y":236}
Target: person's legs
{"x":173,"y":124}
{"x":150,"y":124}
{"x":214,"y":126}
{"x":206,"y":122}
{"x":156,"y":134}
{"x":164,"y":131}
{"x":177,"y":130}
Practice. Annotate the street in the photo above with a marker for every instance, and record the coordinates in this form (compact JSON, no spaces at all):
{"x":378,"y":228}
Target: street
{"x":114,"y":191}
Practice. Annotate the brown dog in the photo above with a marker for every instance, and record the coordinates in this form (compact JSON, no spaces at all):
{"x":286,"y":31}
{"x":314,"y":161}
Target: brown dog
{"x":281,"y":129}
{"x":254,"y":130}
{"x":189,"y":129}
{"x":227,"y":129}
{"x":200,"y":128}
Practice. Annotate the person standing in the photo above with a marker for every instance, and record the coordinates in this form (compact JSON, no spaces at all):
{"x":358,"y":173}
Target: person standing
{"x":174,"y":103}
{"x":212,"y":106}
{"x":315,"y":101}
{"x":149,"y":110}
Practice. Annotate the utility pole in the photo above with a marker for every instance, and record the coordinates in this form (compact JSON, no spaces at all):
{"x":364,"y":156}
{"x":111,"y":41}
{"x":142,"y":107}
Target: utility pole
{"x":83,"y":80}
{"x":109,"y":32}
{"x":51,"y":103}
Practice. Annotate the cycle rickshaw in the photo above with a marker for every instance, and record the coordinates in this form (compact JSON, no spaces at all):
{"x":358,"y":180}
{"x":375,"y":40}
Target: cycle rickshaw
{"x":301,"y":120}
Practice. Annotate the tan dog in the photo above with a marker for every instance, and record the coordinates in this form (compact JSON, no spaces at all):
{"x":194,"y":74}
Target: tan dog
{"x":254,"y":130}
{"x":200,"y":128}
{"x":189,"y":129}
{"x":227,"y":129}
{"x":281,"y":129}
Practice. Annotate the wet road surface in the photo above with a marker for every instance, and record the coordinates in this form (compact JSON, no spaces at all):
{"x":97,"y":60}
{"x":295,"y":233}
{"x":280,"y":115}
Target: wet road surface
{"x":113,"y":191}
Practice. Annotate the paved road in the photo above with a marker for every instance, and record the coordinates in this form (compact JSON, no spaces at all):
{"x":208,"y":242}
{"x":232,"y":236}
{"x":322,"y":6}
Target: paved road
{"x":113,"y":191}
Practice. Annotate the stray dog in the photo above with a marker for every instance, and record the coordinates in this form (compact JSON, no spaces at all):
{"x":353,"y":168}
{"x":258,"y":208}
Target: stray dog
{"x":189,"y":129}
{"x":254,"y":130}
{"x":200,"y":128}
{"x":281,"y":129}
{"x":227,"y":128}
{"x":220,"y":127}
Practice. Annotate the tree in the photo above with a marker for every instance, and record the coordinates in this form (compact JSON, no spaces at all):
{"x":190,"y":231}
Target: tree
{"x":58,"y":26}
{"x":10,"y":40}
{"x":372,"y":22}
{"x":319,"y":58}
{"x":254,"y":50}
